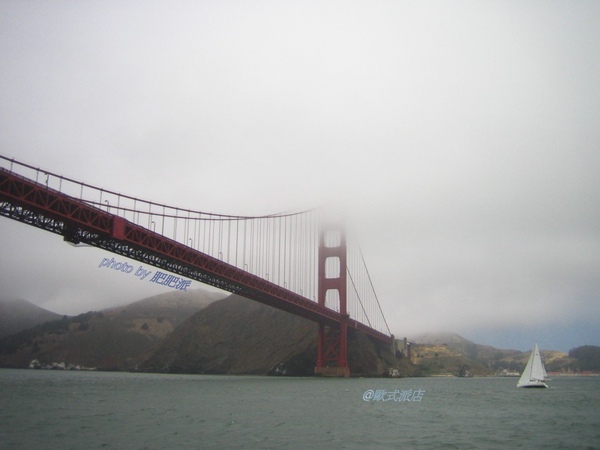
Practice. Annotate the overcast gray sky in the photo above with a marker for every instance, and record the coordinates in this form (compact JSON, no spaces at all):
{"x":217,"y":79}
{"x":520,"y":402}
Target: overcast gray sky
{"x":462,"y":138}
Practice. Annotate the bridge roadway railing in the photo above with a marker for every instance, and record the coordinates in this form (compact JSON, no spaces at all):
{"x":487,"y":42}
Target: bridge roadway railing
{"x":35,"y":204}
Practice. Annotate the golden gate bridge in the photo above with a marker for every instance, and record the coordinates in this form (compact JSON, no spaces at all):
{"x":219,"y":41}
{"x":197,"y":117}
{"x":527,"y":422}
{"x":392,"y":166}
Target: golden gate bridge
{"x":299,"y":261}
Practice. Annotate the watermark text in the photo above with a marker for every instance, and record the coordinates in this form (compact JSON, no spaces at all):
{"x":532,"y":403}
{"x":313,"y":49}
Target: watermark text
{"x":164,"y":279}
{"x":397,"y":395}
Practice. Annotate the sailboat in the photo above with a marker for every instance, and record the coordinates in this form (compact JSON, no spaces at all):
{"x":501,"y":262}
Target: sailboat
{"x":535,"y":373}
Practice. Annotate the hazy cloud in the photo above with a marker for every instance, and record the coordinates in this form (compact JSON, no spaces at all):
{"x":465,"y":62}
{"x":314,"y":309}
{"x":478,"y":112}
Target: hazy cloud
{"x":462,"y":139}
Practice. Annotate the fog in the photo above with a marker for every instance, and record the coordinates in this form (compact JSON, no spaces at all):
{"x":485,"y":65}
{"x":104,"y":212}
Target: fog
{"x":461,"y":139}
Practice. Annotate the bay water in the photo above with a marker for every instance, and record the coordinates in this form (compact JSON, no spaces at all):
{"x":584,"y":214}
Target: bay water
{"x":75,"y":410}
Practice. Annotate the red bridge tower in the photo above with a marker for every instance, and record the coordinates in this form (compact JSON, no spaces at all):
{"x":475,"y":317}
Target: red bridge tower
{"x":332,"y":341}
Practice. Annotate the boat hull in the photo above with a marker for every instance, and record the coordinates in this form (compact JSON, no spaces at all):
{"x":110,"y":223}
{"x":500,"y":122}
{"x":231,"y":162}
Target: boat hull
{"x":534,"y":385}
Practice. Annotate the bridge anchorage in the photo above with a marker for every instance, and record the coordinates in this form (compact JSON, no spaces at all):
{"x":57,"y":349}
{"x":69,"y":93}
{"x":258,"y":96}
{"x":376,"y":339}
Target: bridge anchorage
{"x":297,"y":262}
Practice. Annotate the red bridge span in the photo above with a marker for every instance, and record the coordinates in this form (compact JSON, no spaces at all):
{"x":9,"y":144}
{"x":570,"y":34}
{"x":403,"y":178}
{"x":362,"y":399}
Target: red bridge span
{"x":298,"y":262}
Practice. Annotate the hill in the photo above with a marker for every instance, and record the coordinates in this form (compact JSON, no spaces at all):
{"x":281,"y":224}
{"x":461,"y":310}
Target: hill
{"x":469,"y":349}
{"x":18,"y":314}
{"x":434,"y":359}
{"x":112,"y":339}
{"x":197,"y":332}
{"x":437,"y":353}
{"x":240,"y":336}
{"x":449,"y":353}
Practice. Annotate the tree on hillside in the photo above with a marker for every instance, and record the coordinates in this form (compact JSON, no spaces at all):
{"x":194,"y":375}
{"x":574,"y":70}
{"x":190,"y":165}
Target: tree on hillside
{"x":588,"y":357}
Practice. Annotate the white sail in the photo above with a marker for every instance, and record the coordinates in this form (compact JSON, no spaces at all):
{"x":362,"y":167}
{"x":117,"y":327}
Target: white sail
{"x":525,"y":376}
{"x":535,"y":372}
